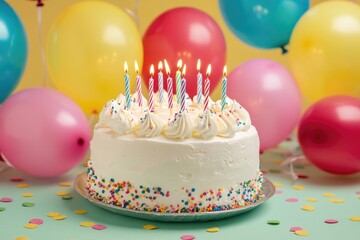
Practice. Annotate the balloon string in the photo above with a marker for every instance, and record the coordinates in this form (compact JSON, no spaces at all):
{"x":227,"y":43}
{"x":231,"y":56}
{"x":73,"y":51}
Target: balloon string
{"x":44,"y":82}
{"x":290,"y":163}
{"x":91,"y":118}
{"x":3,"y":165}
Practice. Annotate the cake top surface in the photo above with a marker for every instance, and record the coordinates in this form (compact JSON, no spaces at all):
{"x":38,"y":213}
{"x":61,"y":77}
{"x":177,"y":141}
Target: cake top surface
{"x":174,"y":123}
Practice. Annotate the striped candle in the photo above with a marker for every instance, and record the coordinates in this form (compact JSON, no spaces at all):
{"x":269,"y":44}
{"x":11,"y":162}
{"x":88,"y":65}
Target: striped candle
{"x":178,"y":81}
{"x":160,"y":82}
{"x":127,"y":86}
{"x":138,"y":84}
{"x":207,"y":88}
{"x":151,"y":89}
{"x":169,"y":86}
{"x":223,"y":90}
{"x":199,"y":83}
{"x":183,"y":90}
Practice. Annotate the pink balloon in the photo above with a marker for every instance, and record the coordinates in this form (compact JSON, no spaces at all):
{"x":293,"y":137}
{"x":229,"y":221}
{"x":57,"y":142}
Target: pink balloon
{"x":188,"y":34}
{"x":269,"y":92}
{"x":43,"y":133}
{"x":329,"y":134}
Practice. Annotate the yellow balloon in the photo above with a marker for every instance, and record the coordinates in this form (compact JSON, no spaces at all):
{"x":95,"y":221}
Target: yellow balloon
{"x":86,"y":50}
{"x":325,"y":50}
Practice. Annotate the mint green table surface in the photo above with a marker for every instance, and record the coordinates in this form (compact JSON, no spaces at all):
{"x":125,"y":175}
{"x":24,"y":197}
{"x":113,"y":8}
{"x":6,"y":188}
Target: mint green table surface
{"x":249,"y":225}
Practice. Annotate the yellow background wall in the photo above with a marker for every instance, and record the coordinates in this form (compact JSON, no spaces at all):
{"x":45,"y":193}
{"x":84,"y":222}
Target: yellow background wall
{"x":237,"y":51}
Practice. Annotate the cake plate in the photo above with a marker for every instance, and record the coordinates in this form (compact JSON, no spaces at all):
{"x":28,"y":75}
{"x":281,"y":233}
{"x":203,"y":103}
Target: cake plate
{"x":268,"y":190}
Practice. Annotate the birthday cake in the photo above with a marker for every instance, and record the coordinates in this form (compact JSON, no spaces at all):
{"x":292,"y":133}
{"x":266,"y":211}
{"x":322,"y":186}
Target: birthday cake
{"x":185,"y":158}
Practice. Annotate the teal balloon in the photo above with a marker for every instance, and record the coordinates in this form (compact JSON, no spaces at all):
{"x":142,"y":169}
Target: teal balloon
{"x":263,"y":23}
{"x":13,"y":50}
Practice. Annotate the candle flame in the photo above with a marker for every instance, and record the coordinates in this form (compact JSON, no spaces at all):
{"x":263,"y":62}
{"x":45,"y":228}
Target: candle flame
{"x":208,"y":70}
{"x":125,"y":67}
{"x":179,"y":64}
{"x":225,"y":71}
{"x":167,"y":68}
{"x":152,"y":69}
{"x":160,"y":66}
{"x":198,"y":65}
{"x":136,"y":67}
{"x":184,"y":70}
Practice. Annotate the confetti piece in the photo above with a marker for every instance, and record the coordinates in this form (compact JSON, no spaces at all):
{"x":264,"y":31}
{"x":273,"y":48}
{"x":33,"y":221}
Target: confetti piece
{"x":311,"y":200}
{"x":337,"y":200}
{"x":277,"y":185}
{"x":80,"y":211}
{"x":150,"y":227}
{"x":278,"y":192}
{"x":22,"y":238}
{"x":6,"y":199}
{"x":16,"y":179}
{"x":263,"y":171}
{"x":64,"y":184}
{"x":301,"y":232}
{"x":62,"y":193}
{"x":98,"y":227}
{"x":53,"y":214}
{"x":59,"y":217}
{"x":307,"y":208}
{"x":292,"y":200}
{"x":37,"y":221}
{"x":87,"y":224}
{"x":298,"y":187}
{"x":331,"y":221}
{"x":358,"y":192}
{"x":355,"y":218}
{"x":213,"y":229}
{"x":30,"y":225}
{"x":328,"y":195}
{"x":28,"y":204}
{"x":67,"y":197}
{"x":293,"y":229}
{"x":27,"y":195}
{"x":187,"y":237}
{"x":303,"y":176}
{"x":2,"y":209}
{"x":22,"y":185}
{"x":273,"y":222}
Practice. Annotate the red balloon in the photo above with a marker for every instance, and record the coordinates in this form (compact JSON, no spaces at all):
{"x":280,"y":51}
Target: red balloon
{"x":187,"y":34}
{"x":329,"y":134}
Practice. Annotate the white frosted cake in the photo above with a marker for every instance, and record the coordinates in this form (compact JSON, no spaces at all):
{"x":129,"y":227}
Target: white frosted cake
{"x":174,"y":161}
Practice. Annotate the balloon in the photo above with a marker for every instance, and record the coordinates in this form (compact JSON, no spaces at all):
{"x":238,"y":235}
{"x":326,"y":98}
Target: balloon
{"x":87,"y":47}
{"x":263,"y":24}
{"x":329,"y":134}
{"x":268,"y":91}
{"x":43,"y":132}
{"x":13,"y":50}
{"x":187,"y":34}
{"x":324,"y":50}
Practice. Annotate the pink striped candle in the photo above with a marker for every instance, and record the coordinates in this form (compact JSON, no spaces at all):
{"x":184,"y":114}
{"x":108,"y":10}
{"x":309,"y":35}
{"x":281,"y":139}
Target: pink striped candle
{"x":207,"y":87}
{"x":151,"y":89}
{"x":183,"y":90}
{"x":169,"y":86}
{"x":138,"y":84}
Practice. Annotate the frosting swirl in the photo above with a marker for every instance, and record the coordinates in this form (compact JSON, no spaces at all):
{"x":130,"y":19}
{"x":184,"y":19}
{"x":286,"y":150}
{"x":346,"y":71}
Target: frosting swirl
{"x":243,"y":121}
{"x":206,"y":127}
{"x":106,"y":113}
{"x":122,"y":122}
{"x":150,"y":126}
{"x":226,"y":124}
{"x":180,"y":127}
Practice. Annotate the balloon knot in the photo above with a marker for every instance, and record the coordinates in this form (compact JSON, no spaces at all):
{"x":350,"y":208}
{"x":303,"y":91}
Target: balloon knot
{"x":40,"y":3}
{"x":283,"y":50}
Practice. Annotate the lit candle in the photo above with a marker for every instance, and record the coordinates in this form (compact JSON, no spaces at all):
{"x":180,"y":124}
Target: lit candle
{"x":178,"y":81}
{"x":169,"y":86}
{"x":160,"y":82}
{"x":207,"y":87}
{"x":138,"y":84}
{"x":151,"y":89}
{"x":127,"y":86}
{"x":223,"y":90}
{"x":183,"y":90}
{"x":199,"y":82}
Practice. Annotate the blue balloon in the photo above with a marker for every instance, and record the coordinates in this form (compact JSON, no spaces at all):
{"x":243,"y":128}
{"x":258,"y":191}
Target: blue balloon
{"x":263,"y":23}
{"x":13,"y":50}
